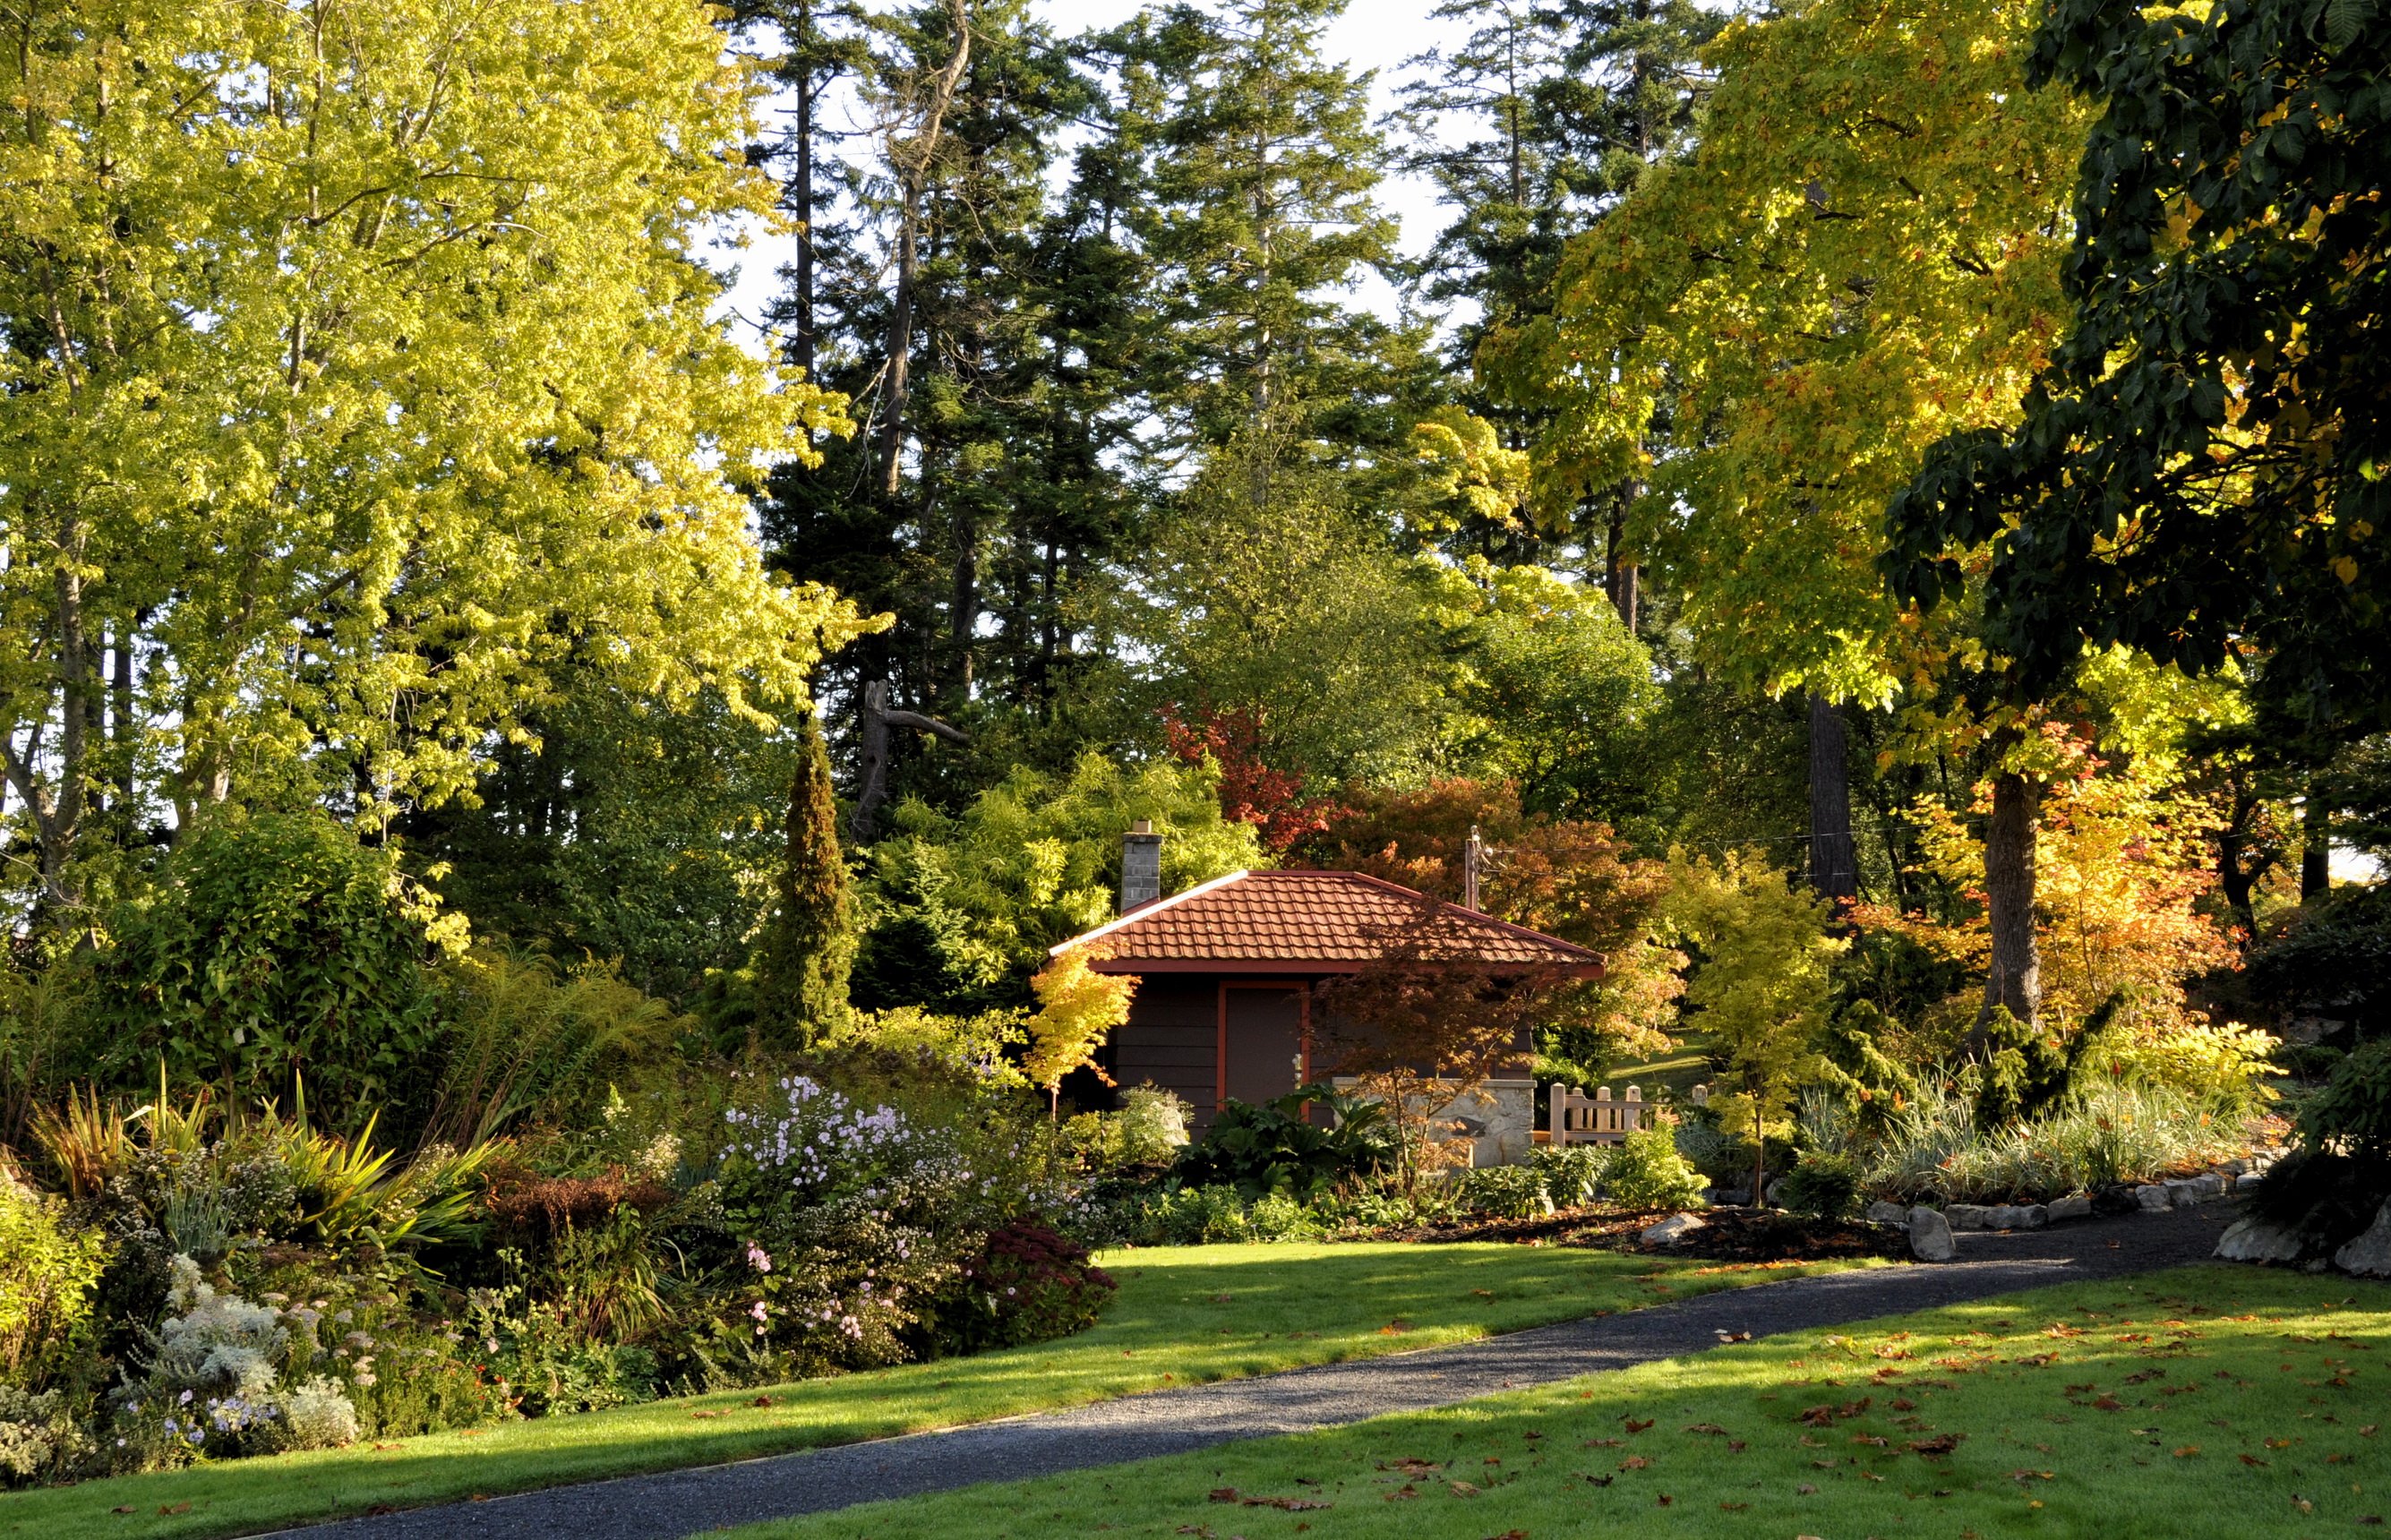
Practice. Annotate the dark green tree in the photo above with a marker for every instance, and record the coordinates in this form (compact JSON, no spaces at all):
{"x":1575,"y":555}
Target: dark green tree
{"x":807,"y":947}
{"x":976,"y":304}
{"x":1259,"y":215}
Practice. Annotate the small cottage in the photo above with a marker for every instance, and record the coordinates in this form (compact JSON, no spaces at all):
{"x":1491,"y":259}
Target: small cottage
{"x":1226,"y":972}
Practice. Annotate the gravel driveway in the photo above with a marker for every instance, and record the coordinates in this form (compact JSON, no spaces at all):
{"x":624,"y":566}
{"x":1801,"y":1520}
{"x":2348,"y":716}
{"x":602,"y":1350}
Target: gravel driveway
{"x":670,"y":1505}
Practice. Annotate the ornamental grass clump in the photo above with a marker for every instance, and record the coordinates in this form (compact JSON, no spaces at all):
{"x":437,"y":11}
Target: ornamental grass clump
{"x":2115,"y":1134}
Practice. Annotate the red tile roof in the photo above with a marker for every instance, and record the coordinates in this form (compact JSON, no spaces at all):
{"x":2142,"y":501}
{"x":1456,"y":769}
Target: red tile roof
{"x":1287,"y":922}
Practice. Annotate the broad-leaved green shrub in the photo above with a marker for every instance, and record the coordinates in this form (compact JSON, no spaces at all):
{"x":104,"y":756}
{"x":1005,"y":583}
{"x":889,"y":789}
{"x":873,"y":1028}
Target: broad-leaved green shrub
{"x":1506,"y":1192}
{"x":275,"y":946}
{"x":49,"y":1275}
{"x":1284,"y":1146}
{"x":1572,"y":1173}
{"x":1646,"y":1171}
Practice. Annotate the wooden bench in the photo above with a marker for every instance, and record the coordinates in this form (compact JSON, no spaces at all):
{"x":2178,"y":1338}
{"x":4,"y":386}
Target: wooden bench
{"x":1575,"y":1118}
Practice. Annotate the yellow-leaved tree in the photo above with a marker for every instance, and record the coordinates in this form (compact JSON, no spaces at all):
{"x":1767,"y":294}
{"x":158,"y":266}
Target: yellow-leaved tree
{"x":356,"y":363}
{"x":1078,"y":1009}
{"x":1760,"y":985}
{"x":1860,"y":256}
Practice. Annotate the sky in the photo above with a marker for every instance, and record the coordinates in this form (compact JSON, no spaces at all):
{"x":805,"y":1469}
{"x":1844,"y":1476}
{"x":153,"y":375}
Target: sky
{"x":1372,"y":34}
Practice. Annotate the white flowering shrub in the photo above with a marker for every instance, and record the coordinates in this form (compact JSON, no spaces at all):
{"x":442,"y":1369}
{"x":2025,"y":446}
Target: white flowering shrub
{"x":216,"y":1379}
{"x":315,"y":1414}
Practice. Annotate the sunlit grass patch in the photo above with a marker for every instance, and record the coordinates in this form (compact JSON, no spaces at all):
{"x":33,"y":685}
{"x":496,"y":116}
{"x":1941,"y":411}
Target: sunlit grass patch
{"x":2199,"y":1401}
{"x":1184,"y":1315}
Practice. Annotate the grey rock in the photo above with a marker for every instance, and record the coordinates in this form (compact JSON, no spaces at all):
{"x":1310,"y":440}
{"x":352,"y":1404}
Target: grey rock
{"x":2028,"y":1216}
{"x":2154,"y":1197}
{"x":2074,"y":1206}
{"x":2207,"y":1186}
{"x":2253,"y":1240}
{"x":2369,"y":1255}
{"x":1776,"y":1192}
{"x":1929,"y":1235}
{"x":2249,"y":1182}
{"x":1673,"y":1229}
{"x":1968,"y":1216}
{"x":2234,"y":1168}
{"x":1883,"y":1213}
{"x":2182,"y":1192}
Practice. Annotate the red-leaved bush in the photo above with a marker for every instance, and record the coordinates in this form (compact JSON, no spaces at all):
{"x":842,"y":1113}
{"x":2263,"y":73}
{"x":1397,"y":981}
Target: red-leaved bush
{"x":1026,"y":1285}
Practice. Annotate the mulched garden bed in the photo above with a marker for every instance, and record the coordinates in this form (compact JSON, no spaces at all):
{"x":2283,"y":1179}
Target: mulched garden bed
{"x":1727,"y":1235}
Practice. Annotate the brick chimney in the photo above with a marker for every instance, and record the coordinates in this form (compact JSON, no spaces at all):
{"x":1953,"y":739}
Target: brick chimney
{"x":1141,"y":866}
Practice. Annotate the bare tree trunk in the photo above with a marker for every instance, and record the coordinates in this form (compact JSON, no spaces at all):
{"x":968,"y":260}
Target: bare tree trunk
{"x":2016,"y":977}
{"x":912,"y":163}
{"x":1834,"y":859}
{"x":871,"y":785}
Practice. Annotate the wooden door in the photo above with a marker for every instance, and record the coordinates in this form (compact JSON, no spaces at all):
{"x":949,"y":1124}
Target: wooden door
{"x":1263,"y":1049}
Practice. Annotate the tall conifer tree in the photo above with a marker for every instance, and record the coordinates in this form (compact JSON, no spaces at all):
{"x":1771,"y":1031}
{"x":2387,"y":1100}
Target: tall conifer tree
{"x":809,"y":941}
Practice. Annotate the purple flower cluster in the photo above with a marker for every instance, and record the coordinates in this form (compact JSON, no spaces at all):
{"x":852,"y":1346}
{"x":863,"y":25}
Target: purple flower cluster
{"x":821,"y":1134}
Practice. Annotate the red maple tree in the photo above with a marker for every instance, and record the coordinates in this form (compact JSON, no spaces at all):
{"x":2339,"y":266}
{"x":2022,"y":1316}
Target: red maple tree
{"x":1251,"y":792}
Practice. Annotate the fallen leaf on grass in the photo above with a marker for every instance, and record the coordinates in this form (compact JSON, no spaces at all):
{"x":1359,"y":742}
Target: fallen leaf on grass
{"x":2279,"y":1443}
{"x":2252,"y":1459}
{"x":705,"y":1414}
{"x":1463,"y":1489}
{"x":382,"y":1448}
{"x":1710,"y":1428}
{"x":1733,"y":1508}
{"x":1735,"y":1446}
{"x":1636,"y":1427}
{"x":126,"y":1508}
{"x":1600,"y":1481}
{"x":2108,"y":1404}
{"x":1665,"y":1500}
{"x":1805,"y":1490}
{"x":1634,"y":1462}
{"x":761,"y":1401}
{"x":1942,"y":1443}
{"x":178,"y":1508}
{"x":2188,"y":1451}
{"x":1604,"y":1444}
{"x":1509,"y":1534}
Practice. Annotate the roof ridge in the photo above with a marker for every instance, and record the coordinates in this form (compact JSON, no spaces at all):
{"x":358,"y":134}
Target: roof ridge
{"x":1142,"y":910}
{"x":1357,"y":883}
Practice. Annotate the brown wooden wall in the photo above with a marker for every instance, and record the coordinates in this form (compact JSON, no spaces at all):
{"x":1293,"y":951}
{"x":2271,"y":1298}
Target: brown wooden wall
{"x":1173,"y":1039}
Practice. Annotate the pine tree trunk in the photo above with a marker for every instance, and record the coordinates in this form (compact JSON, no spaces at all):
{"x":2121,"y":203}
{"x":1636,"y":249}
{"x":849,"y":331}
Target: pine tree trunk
{"x":1834,"y":860}
{"x":2016,"y":977}
{"x":2315,"y":843}
{"x":801,"y":207}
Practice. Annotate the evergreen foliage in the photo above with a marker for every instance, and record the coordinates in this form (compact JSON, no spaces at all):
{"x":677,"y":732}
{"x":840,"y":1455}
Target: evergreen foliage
{"x":808,"y":945}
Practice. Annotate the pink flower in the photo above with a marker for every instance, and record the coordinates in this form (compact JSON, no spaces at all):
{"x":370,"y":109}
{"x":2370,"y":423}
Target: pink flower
{"x":758,"y":1258}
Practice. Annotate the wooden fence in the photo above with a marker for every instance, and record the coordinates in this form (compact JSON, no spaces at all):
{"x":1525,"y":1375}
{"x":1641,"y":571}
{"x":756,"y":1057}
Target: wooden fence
{"x":1575,"y":1118}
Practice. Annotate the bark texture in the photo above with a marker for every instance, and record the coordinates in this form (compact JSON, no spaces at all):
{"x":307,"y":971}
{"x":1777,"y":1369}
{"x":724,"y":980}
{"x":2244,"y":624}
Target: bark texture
{"x":2015,"y":981}
{"x":1834,"y":859}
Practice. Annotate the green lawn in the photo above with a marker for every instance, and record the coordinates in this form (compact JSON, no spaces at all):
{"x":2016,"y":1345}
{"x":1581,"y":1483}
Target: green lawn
{"x":1184,"y":1315}
{"x":2208,"y":1401}
{"x":1681,"y":1069}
